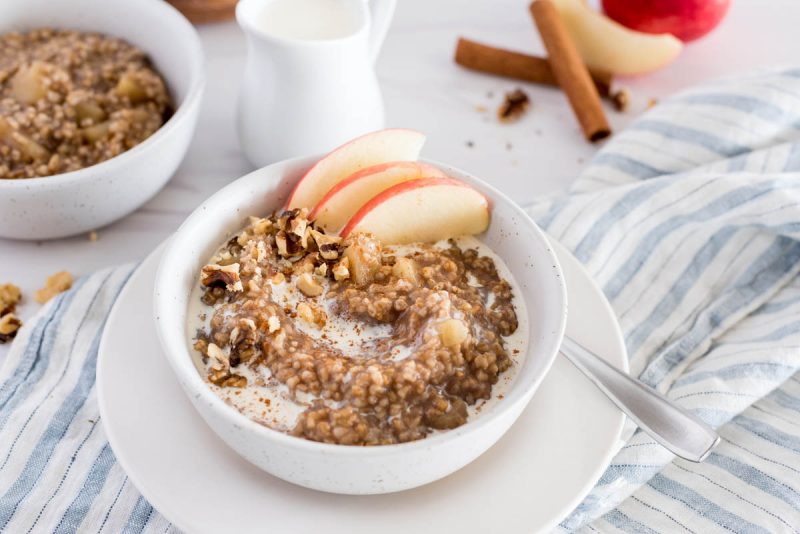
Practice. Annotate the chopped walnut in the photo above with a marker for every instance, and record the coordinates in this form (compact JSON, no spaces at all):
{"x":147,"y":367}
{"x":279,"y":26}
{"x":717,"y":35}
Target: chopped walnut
{"x":9,"y":324}
{"x":341,"y":270}
{"x":514,"y":106}
{"x":260,"y":226}
{"x":10,"y":296}
{"x":224,"y":276}
{"x":57,"y":283}
{"x":224,"y":378}
{"x":309,"y":286}
{"x":328,"y":245}
{"x":219,"y":355}
{"x":283,"y":243}
{"x":312,"y":314}
{"x":274,"y":324}
{"x":621,"y":100}
{"x":293,"y":233}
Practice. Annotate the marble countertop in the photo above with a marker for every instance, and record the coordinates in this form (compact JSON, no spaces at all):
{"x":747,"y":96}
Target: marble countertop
{"x":425,"y":90}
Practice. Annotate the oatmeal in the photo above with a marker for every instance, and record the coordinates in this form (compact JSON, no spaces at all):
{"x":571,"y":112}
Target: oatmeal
{"x":351,"y":342}
{"x":69,"y":100}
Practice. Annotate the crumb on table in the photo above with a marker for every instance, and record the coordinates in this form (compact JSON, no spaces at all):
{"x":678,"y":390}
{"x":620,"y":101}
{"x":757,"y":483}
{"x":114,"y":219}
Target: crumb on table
{"x":57,"y":283}
{"x":514,"y":106}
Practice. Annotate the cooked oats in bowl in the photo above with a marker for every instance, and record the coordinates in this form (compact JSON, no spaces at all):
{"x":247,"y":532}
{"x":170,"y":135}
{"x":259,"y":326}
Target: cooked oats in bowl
{"x":71,"y":99}
{"x":350,"y":341}
{"x":98,"y":104}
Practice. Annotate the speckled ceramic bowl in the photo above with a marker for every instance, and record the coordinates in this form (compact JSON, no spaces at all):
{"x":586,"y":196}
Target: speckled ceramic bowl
{"x":339,"y":468}
{"x":79,"y":201}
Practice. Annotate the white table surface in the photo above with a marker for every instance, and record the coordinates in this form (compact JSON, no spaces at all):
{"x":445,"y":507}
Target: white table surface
{"x":425,"y":90}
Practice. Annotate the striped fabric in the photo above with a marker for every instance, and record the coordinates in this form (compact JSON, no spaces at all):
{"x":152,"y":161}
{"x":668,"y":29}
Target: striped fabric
{"x":57,"y":471}
{"x":689,"y":221}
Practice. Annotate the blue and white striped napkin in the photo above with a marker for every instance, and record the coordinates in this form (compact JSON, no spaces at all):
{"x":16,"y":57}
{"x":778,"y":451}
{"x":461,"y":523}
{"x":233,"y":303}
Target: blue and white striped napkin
{"x":689,"y":221}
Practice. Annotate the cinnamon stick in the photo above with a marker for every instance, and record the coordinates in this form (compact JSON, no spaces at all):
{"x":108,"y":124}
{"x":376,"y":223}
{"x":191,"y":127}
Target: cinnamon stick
{"x":570,"y":71}
{"x":510,"y":64}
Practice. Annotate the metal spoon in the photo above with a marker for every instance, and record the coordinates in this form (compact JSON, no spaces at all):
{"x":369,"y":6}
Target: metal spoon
{"x":674,"y":428}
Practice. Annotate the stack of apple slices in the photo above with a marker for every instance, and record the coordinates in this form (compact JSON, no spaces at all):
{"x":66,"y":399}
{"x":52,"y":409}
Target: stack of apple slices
{"x":375,"y":184}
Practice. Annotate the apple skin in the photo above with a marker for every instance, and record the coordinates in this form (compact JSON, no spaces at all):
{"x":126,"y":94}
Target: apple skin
{"x":346,"y":197}
{"x":390,"y":144}
{"x":685,"y":19}
{"x":422,"y":210}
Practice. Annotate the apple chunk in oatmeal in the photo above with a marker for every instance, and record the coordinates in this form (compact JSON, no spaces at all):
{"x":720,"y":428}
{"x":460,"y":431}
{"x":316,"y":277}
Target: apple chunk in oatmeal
{"x":370,"y":344}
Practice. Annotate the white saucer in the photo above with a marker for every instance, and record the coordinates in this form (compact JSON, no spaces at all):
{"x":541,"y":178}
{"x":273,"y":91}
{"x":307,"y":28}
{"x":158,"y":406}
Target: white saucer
{"x":528,"y":482}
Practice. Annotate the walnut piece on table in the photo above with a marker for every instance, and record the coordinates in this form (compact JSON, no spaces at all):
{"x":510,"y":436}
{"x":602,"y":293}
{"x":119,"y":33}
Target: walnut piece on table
{"x":9,"y":325}
{"x":514,"y":106}
{"x":57,"y":283}
{"x":10,"y":295}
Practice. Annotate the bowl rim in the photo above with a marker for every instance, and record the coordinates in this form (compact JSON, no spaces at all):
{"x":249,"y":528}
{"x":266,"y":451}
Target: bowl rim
{"x":251,"y":29}
{"x":197,"y":82}
{"x":178,"y":355}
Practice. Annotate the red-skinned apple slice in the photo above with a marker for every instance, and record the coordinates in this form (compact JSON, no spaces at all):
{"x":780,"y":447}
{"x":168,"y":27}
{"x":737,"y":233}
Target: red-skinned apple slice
{"x":346,"y":197}
{"x":607,"y":45}
{"x":423,"y":210}
{"x":393,"y":144}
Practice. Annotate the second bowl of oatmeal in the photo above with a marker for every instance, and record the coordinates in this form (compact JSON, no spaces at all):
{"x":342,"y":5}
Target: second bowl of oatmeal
{"x":98,"y":104}
{"x":354,"y":443}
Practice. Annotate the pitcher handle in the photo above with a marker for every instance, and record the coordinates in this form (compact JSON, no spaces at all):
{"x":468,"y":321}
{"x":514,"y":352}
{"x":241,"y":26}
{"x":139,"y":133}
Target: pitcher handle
{"x":382,"y":12}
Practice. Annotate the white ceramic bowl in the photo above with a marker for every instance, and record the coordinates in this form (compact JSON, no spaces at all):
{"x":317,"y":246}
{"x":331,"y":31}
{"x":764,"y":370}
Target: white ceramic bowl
{"x":79,"y":201}
{"x":349,"y":469}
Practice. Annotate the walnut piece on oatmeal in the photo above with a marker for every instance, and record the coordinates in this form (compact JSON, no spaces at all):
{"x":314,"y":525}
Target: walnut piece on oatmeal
{"x":224,"y":276}
{"x":309,"y":286}
{"x":57,"y":283}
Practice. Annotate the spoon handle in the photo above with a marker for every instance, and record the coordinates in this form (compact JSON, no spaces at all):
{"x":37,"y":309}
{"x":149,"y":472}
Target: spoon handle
{"x":677,"y":430}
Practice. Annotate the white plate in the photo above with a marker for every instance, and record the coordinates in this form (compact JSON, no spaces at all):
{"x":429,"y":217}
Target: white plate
{"x":529,"y":481}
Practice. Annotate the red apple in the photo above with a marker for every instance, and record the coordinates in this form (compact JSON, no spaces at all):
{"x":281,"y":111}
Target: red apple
{"x":606,"y":45}
{"x":685,"y":19}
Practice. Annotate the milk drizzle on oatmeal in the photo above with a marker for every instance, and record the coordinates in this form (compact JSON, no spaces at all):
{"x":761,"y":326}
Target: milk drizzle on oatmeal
{"x":363,"y":345}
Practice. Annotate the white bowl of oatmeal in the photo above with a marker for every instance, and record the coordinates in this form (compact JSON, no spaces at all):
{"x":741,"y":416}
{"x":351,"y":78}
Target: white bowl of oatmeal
{"x":396,"y":456}
{"x":96,"y":115}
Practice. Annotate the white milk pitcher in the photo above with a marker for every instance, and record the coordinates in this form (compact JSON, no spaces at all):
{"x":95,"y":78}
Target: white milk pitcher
{"x":309,"y":83}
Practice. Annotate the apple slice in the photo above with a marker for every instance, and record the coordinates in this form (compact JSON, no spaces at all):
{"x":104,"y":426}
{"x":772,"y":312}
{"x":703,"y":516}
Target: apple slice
{"x":393,"y":144}
{"x":423,"y":210}
{"x":346,"y":197}
{"x":607,"y":45}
